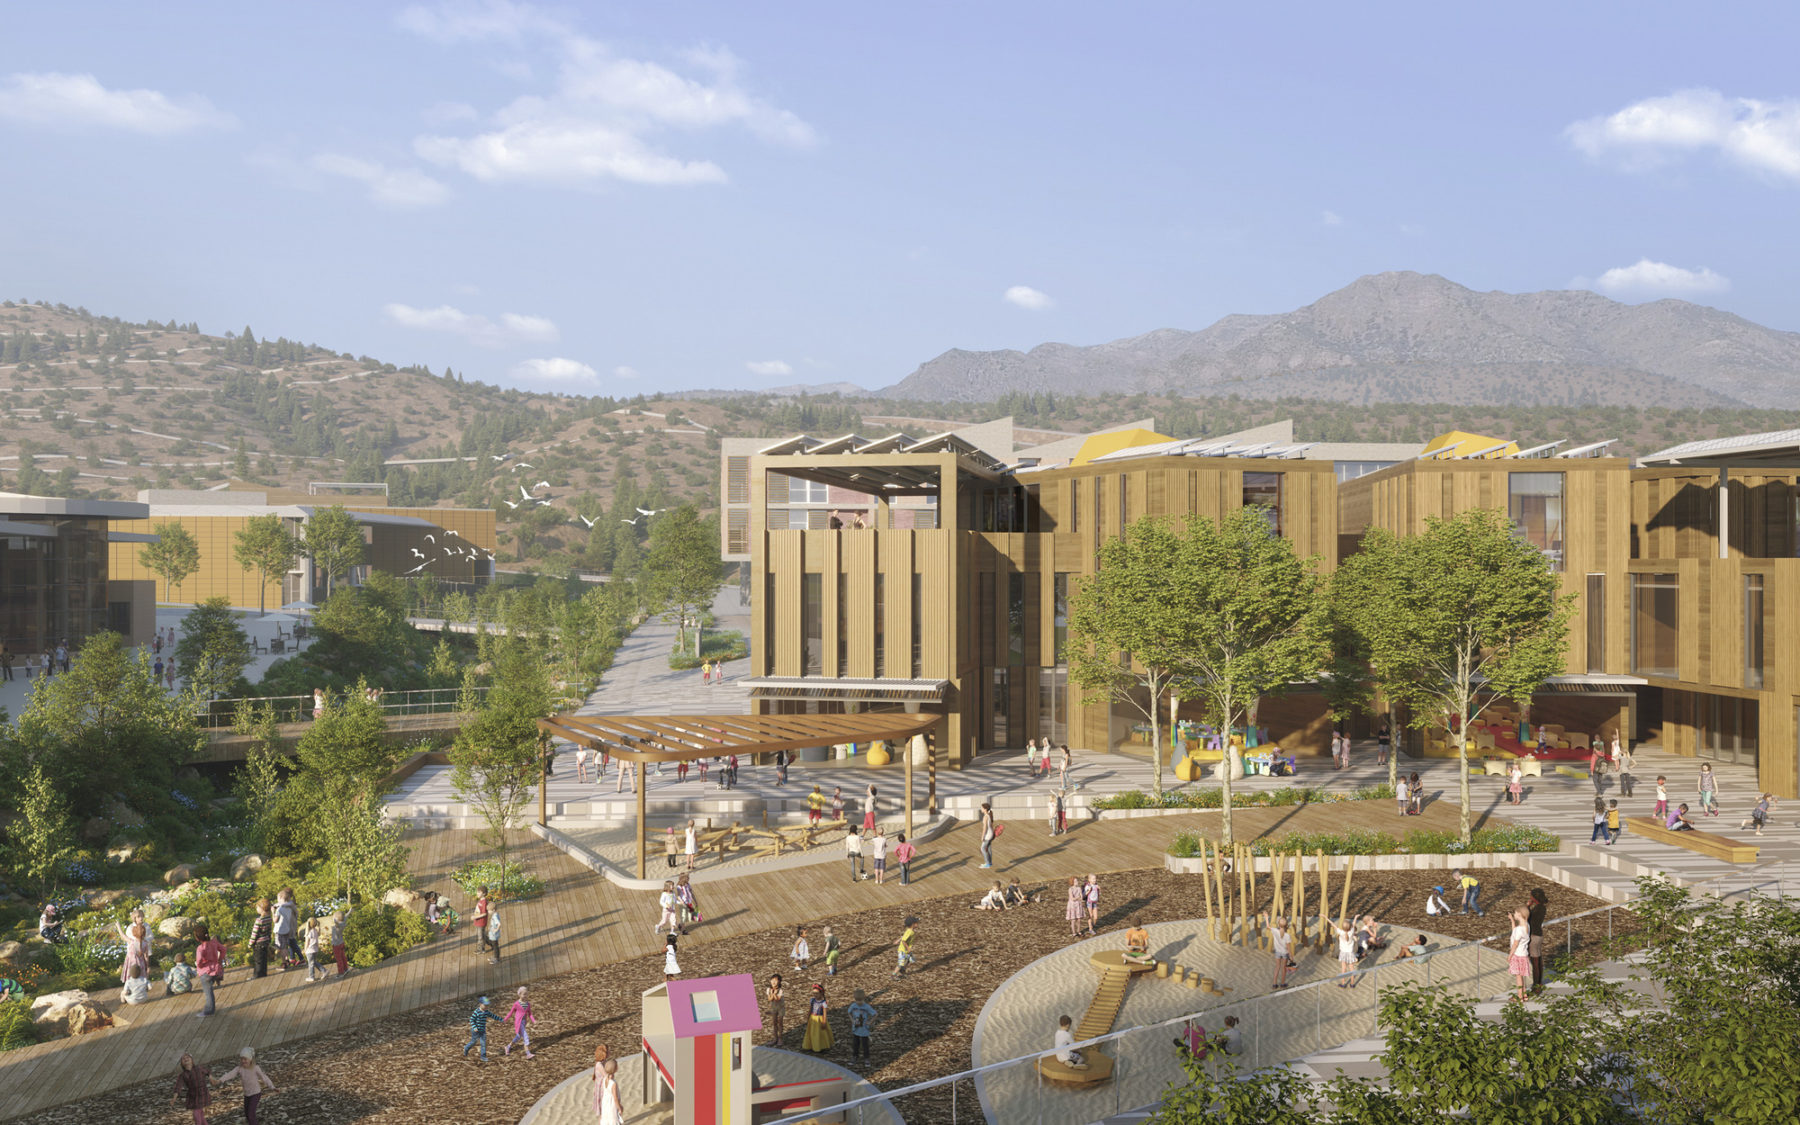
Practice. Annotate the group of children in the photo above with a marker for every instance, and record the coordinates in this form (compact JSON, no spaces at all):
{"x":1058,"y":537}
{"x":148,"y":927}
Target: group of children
{"x":1409,"y":794}
{"x":520,"y":1015}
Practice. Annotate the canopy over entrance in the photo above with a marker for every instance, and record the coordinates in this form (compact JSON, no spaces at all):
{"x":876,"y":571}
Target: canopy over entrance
{"x":642,"y":739}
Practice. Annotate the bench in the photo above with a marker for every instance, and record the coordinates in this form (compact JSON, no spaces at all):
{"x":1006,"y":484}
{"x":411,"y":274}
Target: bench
{"x":1099,"y":1069}
{"x":1706,"y":843}
{"x":1573,"y":771}
{"x":1501,"y":767}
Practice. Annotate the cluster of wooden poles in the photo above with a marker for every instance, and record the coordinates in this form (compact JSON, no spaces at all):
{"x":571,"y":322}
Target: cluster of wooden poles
{"x":1228,"y":882}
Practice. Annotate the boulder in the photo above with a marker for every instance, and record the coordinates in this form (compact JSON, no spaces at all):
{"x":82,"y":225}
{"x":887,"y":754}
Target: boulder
{"x":68,"y":1013}
{"x":245,"y":867}
{"x":12,"y":953}
{"x":155,"y":912}
{"x":405,"y":900}
{"x":175,"y":876}
{"x":120,"y":854}
{"x":180,"y":927}
{"x":95,"y":828}
{"x":102,"y":900}
{"x":124,"y":815}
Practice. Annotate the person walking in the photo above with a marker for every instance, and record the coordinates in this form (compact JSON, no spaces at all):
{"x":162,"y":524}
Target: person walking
{"x":903,"y":855}
{"x":1708,"y":788}
{"x":903,"y":949}
{"x":989,"y":831}
{"x":607,"y":1105}
{"x":878,"y":848}
{"x":1662,"y":796}
{"x":862,"y":1025}
{"x":1599,"y":822}
{"x":1627,"y":766}
{"x":287,"y":922}
{"x":671,"y":967}
{"x":493,"y":932}
{"x":833,"y":950}
{"x":1518,"y":961}
{"x":1536,"y":910}
{"x":1337,"y":752}
{"x":581,"y":757}
{"x":1044,"y":763}
{"x":1614,"y":828}
{"x":260,"y":932}
{"x":667,"y":905}
{"x":731,"y":771}
{"x":775,"y":996}
{"x":1068,"y":763}
{"x":1384,"y":742}
{"x":336,"y":938}
{"x":690,"y":844}
{"x":480,"y":920}
{"x":1031,"y":759}
{"x":1759,"y":815}
{"x":690,"y":905}
{"x":818,"y":1025}
{"x":192,"y":1087}
{"x":1077,"y":908}
{"x":209,"y":963}
{"x":1597,"y":766}
{"x":522,"y":1018}
{"x":1091,"y":899}
{"x":309,"y":948}
{"x":781,"y":768}
{"x":853,"y":849}
{"x":251,"y":1079}
{"x":478,"y":1021}
{"x":1282,"y":944}
{"x":1060,"y":808}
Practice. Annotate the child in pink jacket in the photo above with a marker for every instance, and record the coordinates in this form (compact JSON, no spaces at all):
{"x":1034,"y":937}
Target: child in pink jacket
{"x":522,"y":1017}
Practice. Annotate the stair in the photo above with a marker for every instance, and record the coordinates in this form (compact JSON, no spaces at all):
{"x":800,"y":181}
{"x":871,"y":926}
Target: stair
{"x":1108,"y":998}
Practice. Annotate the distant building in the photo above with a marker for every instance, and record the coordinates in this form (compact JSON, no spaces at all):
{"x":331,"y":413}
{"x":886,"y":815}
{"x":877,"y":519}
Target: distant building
{"x":56,"y":583}
{"x":407,"y":542}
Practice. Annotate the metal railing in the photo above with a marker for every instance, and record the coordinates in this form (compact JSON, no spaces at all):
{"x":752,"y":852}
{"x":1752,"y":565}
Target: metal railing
{"x":1274,"y":1028}
{"x":299,"y":708}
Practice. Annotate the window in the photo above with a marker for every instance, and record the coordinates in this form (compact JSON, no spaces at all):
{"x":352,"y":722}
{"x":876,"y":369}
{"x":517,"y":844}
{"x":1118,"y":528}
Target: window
{"x":1059,"y":619}
{"x":1263,"y":490}
{"x":1124,"y":502}
{"x":1350,"y":470}
{"x":1535,"y":503}
{"x":768,"y":608}
{"x":1753,"y":630}
{"x":1053,"y":716}
{"x":918,"y":626}
{"x":1655,"y":625}
{"x":843,"y":624}
{"x":812,"y":624}
{"x":1099,"y":512}
{"x":737,"y":531}
{"x":784,"y":489}
{"x":1596,"y":623}
{"x":1002,"y":704}
{"x":985,"y":610}
{"x":880,"y":625}
{"x":737,"y":480}
{"x":1075,"y":508}
{"x":1015,"y":619}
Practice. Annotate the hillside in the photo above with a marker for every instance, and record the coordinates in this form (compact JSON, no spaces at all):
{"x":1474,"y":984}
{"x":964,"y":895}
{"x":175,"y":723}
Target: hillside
{"x":1408,"y":337}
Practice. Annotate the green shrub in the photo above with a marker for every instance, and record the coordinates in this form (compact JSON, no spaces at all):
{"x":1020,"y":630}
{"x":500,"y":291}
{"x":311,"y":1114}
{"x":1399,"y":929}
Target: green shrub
{"x":1363,"y":841}
{"x":15,"y":1025}
{"x":410,"y":930}
{"x":227,"y":918}
{"x":518,"y":882}
{"x":369,"y":933}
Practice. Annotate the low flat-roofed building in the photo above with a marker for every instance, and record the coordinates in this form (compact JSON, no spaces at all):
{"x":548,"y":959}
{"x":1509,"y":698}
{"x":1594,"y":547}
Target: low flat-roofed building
{"x":56,"y":584}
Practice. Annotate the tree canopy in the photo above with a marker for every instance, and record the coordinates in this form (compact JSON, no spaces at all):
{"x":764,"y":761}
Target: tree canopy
{"x":264,"y":544}
{"x":334,"y":541}
{"x":213,"y":650}
{"x":682,"y":572}
{"x":174,"y":557}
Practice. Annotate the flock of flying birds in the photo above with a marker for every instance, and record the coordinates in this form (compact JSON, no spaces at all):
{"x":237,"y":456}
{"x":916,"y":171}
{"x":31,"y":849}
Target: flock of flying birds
{"x":525,"y":497}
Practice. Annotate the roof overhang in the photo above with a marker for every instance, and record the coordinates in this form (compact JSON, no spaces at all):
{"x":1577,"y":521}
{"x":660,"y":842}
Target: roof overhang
{"x":1775,"y":446}
{"x":847,"y":690}
{"x":132,"y":537}
{"x":678,"y":738}
{"x":22,"y":530}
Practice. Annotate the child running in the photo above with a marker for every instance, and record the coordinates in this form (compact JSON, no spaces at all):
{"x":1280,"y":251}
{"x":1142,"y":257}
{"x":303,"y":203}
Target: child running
{"x":903,"y":948}
{"x":1759,"y":815}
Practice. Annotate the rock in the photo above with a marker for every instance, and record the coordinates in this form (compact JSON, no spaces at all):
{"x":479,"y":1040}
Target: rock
{"x":101,"y":900}
{"x":95,"y":828}
{"x":124,"y":815}
{"x":12,"y":952}
{"x":120,"y":854}
{"x":187,"y":773}
{"x":175,"y":876}
{"x":180,"y":927}
{"x":405,"y":900}
{"x":68,"y":1013}
{"x":245,"y":867}
{"x":155,"y":912}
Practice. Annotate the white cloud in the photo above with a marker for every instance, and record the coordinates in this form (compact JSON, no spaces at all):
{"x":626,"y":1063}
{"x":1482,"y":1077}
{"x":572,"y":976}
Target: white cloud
{"x":475,"y":21}
{"x":555,"y":369}
{"x":624,"y":372}
{"x":396,"y":187}
{"x":768,"y":367}
{"x":1027,"y":298}
{"x":63,"y":100}
{"x":1762,"y":135}
{"x":1331,"y":218}
{"x":1647,"y":278}
{"x":605,"y":115}
{"x":479,"y":330}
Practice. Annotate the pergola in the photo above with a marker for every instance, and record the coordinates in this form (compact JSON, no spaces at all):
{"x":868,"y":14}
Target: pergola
{"x":649,"y":739}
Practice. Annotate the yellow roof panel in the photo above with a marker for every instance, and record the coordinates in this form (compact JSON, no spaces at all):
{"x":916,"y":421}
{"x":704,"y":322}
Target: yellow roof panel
{"x":1101,"y":444}
{"x":1459,"y":443}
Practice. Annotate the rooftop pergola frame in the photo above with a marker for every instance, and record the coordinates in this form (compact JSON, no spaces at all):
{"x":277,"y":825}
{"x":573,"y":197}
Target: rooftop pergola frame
{"x":648,"y":739}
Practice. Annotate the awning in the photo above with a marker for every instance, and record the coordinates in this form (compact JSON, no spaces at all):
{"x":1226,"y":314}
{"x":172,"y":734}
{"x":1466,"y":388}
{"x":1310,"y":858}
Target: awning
{"x":20,"y":529}
{"x":679,"y":738}
{"x":844,"y":690}
{"x":132,"y":537}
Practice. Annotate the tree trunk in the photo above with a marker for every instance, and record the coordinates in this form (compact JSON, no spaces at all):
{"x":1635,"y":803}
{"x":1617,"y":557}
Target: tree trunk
{"x":1156,"y":780}
{"x":1393,"y":747}
{"x":1225,"y":778}
{"x":1462,"y":758}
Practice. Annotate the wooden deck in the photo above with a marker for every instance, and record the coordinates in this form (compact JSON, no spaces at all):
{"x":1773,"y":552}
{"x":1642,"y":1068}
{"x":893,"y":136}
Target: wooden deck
{"x":582,"y":921}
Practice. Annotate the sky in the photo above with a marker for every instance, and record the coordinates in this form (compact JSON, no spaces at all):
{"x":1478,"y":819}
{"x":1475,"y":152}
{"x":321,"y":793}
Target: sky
{"x":624,"y":199}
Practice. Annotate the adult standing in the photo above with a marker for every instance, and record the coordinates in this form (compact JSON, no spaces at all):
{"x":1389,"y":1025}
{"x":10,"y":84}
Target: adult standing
{"x":209,"y":962}
{"x":607,"y":1105}
{"x":1536,"y":910}
{"x":62,"y":655}
{"x":1384,"y":742}
{"x":989,"y":830}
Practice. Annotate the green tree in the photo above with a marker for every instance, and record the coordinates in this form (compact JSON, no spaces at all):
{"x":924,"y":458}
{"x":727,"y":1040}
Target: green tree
{"x":1130,"y":638}
{"x":345,"y":756}
{"x":43,"y":832}
{"x":258,"y":782}
{"x":213,"y":650}
{"x":265,"y":545}
{"x":174,"y":557}
{"x":334,"y":541}
{"x":683,"y":570}
{"x":495,"y":761}
{"x":1455,"y":618}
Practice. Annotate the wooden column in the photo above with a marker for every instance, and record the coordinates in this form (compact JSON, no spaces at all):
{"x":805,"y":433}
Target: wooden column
{"x":543,"y":779}
{"x":639,"y":767}
{"x":906,"y":749}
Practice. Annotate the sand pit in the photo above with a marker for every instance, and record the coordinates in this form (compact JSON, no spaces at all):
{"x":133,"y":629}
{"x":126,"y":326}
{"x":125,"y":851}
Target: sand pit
{"x":1020,"y":1017}
{"x":571,"y":1101}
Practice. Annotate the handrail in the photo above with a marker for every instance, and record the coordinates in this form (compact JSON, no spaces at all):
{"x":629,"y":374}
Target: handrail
{"x":299,"y":708}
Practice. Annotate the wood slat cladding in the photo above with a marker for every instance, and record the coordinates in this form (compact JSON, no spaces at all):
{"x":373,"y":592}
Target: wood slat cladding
{"x":1675,"y":512}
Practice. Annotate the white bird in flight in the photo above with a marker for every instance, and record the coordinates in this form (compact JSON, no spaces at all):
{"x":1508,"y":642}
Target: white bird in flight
{"x":648,"y":512}
{"x":540,"y":484}
{"x":524,"y":493}
{"x":584,"y":519}
{"x":510,"y":503}
{"x":417,"y":554}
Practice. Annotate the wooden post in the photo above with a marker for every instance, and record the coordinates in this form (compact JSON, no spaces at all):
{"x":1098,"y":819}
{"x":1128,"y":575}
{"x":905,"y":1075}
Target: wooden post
{"x":1349,"y":871}
{"x":1219,"y":875}
{"x":906,"y":749}
{"x":639,"y":766}
{"x":1244,"y":902}
{"x":1250,"y":901}
{"x":543,"y":780}
{"x":1299,"y":923}
{"x":1206,"y":890}
{"x":931,"y":804}
{"x":1324,"y":897}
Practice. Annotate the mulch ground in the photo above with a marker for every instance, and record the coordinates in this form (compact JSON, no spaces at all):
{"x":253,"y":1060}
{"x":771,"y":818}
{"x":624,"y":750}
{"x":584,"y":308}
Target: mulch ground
{"x":408,"y":1068}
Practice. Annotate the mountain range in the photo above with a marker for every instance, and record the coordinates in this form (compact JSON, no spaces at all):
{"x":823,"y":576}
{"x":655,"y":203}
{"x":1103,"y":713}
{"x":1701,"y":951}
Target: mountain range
{"x":1411,"y":337}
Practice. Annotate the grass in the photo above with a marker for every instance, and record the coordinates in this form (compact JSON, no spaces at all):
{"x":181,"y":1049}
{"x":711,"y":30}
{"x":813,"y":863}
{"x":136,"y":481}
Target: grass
{"x":713,"y":646}
{"x":1362,"y":841}
{"x":1214,"y":798}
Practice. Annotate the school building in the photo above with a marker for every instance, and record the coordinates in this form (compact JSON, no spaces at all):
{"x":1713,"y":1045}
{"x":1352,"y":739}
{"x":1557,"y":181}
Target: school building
{"x":949,"y":593}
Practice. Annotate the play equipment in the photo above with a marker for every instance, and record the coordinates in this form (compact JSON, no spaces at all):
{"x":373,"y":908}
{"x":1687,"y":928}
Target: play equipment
{"x":1706,"y":843}
{"x":1115,"y":978}
{"x":1237,"y":922}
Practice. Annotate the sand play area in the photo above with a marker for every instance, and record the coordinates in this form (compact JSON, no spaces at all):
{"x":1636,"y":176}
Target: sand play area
{"x":1021,"y":1015}
{"x":571,"y":1101}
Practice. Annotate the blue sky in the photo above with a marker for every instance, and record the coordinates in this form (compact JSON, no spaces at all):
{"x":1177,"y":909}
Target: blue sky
{"x":622,"y":199}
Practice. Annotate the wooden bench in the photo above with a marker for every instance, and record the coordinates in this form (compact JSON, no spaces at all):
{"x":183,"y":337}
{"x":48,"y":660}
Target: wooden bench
{"x":1706,"y":843}
{"x":1502,"y":767}
{"x":1099,"y":1069}
{"x":1573,"y":771}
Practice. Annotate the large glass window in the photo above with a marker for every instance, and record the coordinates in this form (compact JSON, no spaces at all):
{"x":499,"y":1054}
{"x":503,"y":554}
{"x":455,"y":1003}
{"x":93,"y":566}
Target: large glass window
{"x":1535,"y":503}
{"x":812,"y":624}
{"x":1350,"y":470}
{"x":1053,"y":715}
{"x":1263,"y":490}
{"x":1753,"y":630}
{"x":1015,"y":619}
{"x":843,"y":624}
{"x":1596,"y":623}
{"x":880,"y":625}
{"x":1002,"y":705}
{"x":1059,"y":619}
{"x":918,"y":626}
{"x":1655,"y":625}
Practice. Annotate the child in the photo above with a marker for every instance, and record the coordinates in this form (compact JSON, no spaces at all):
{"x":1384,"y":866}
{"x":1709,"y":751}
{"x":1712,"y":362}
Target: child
{"x":1415,"y":791}
{"x":1435,"y":904}
{"x":1282,"y":944}
{"x":1662,"y":797}
{"x":1708,"y":788}
{"x":837,"y":802}
{"x":522,"y":1018}
{"x":191,"y":1085}
{"x":433,"y":913}
{"x":137,"y":987}
{"x":801,"y":954}
{"x":478,"y":1021}
{"x":833,"y":949}
{"x":671,"y":967}
{"x":1599,"y":822}
{"x":853,"y":851}
{"x":1613,"y":828}
{"x":336,"y":938}
{"x":993,"y":900}
{"x":903,"y":855}
{"x":1678,"y":820}
{"x":254,"y":1081}
{"x":180,"y":977}
{"x":815,"y":806}
{"x":1759,"y":815}
{"x":690,"y":843}
{"x":878,"y":848}
{"x":776,"y":996}
{"x":260,"y":932}
{"x":1401,"y":797}
{"x":862,"y":1025}
{"x":1471,"y":889}
{"x":690,"y":905}
{"x":670,"y":846}
{"x":1065,"y":1043}
{"x":1015,"y":894}
{"x":667,"y":902}
{"x":1416,"y":949}
{"x":309,"y":949}
{"x":1515,"y":784}
{"x":903,"y":948}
